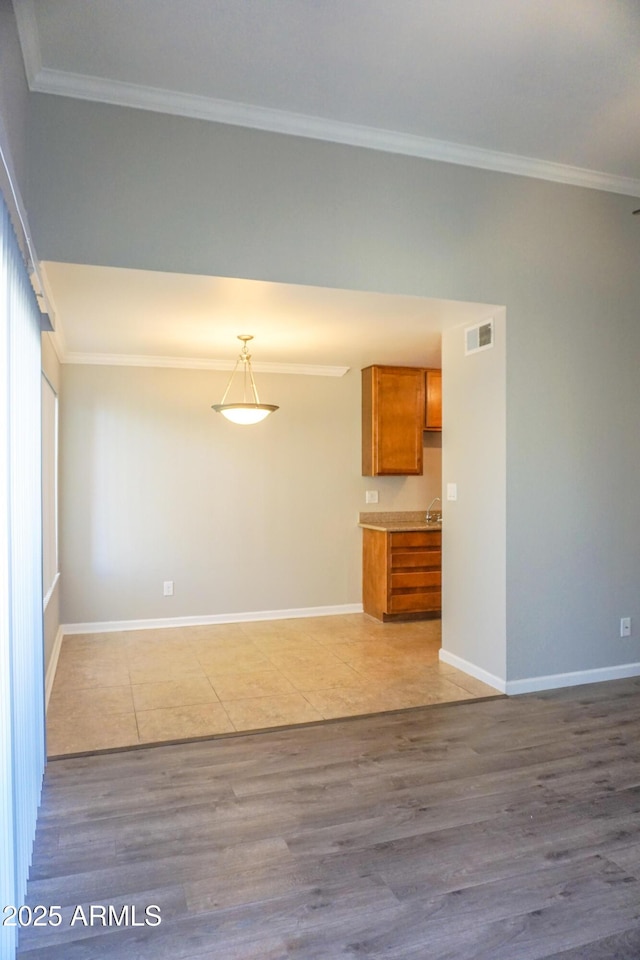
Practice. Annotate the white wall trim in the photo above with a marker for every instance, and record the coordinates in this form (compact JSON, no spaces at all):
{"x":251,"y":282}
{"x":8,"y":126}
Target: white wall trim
{"x":56,"y":342}
{"x":64,"y":355}
{"x":49,"y":593}
{"x":97,"y":89}
{"x":20,"y":220}
{"x":195,"y":363}
{"x":27,"y":24}
{"x":53,"y":665}
{"x":549,"y":682}
{"x":474,"y":671}
{"x":572,"y":679}
{"x":112,"y":626}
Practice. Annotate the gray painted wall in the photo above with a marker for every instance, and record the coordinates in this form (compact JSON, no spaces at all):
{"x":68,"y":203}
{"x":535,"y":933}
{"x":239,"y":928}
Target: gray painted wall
{"x":14,"y":119}
{"x":115,"y":186}
{"x":474,"y":535}
{"x":14,"y":97}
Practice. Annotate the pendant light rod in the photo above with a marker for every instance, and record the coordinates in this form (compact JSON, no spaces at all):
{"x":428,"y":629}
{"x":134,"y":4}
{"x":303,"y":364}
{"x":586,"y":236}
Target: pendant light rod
{"x":245,"y":358}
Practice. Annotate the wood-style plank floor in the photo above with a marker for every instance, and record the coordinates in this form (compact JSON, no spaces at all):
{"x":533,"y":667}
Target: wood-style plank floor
{"x":504,"y":829}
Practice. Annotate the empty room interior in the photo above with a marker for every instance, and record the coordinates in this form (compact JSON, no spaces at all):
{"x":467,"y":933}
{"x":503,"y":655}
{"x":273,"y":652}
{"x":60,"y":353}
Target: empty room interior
{"x":319,"y":581}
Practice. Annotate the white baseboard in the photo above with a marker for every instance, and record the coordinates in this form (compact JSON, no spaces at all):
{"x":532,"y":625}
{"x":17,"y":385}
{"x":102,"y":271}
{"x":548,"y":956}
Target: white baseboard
{"x":52,"y":665}
{"x":111,"y":626}
{"x":573,"y":679}
{"x":550,"y":682}
{"x":474,"y":671}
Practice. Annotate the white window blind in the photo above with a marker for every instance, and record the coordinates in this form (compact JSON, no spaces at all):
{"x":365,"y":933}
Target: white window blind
{"x":22,"y":753}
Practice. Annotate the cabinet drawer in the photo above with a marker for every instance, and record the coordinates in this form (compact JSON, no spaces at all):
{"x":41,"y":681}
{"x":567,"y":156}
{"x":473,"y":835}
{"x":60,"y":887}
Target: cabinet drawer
{"x":417,"y":578}
{"x":415,"y":602}
{"x":416,"y":558}
{"x":426,"y":540}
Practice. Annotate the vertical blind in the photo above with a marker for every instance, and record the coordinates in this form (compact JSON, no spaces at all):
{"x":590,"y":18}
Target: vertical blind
{"x":22,"y":754}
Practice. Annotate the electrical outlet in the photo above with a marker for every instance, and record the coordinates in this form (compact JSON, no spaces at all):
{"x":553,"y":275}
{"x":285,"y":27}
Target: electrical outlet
{"x":371,"y":496}
{"x":452,"y":491}
{"x":167,"y":588}
{"x":625,"y":627}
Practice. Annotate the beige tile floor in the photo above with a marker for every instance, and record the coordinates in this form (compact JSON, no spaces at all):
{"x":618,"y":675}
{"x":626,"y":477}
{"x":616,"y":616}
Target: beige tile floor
{"x":117,"y":690}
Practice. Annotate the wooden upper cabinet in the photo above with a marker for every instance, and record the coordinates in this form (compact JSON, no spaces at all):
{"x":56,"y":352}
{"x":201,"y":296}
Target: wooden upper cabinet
{"x":433,"y":400}
{"x":393,"y":405}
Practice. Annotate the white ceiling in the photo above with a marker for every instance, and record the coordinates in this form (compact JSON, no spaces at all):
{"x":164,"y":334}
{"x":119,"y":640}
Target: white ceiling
{"x":194,"y":321}
{"x":547,"y":88}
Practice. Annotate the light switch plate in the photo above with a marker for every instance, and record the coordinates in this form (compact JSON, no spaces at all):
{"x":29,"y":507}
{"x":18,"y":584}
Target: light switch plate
{"x":371,"y":496}
{"x":452,"y":491}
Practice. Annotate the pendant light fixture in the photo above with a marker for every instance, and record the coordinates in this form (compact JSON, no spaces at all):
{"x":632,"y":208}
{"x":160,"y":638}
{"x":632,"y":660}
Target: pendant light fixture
{"x":247,"y":411}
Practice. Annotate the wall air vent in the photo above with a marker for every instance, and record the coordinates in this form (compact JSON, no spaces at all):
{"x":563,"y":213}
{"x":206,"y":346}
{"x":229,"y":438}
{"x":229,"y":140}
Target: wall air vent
{"x":479,"y":337}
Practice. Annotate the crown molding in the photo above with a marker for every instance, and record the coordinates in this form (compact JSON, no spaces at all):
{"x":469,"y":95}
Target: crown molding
{"x":64,"y":355}
{"x":195,"y":363}
{"x":117,"y":93}
{"x":27,"y":24}
{"x":79,"y":86}
{"x":19,"y":220}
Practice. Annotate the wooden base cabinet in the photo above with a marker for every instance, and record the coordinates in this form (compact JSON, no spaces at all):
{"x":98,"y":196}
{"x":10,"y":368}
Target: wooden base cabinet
{"x":401,"y":574}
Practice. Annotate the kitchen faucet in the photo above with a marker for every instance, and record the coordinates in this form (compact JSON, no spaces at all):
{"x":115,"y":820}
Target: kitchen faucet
{"x":428,"y":517}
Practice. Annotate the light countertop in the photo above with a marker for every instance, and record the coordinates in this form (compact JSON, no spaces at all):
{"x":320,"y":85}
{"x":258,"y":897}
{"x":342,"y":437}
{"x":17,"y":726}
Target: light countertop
{"x":401,"y":521}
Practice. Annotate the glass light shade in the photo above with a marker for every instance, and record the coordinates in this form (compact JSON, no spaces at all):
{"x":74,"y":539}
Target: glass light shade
{"x":244,"y":413}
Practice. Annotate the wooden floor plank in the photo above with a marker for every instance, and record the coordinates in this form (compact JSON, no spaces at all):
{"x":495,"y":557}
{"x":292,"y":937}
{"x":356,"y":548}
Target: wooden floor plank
{"x":496,"y":830}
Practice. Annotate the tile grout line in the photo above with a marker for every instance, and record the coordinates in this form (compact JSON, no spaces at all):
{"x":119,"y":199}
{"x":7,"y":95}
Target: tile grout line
{"x":277,"y":658}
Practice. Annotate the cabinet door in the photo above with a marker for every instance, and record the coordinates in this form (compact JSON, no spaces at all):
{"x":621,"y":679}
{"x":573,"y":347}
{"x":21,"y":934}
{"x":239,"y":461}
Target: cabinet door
{"x":375,"y":573}
{"x":392,"y":416}
{"x":433,"y":400}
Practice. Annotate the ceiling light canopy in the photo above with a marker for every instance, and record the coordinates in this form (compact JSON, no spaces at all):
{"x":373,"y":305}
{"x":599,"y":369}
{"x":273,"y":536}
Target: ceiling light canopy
{"x":248,"y":411}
